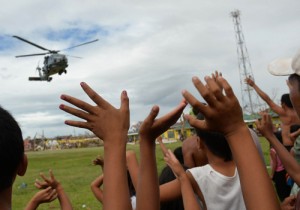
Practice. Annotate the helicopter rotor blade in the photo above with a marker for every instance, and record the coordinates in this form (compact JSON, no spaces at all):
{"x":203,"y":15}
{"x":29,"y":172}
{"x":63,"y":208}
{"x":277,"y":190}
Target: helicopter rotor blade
{"x":81,"y":44}
{"x":72,"y":56}
{"x":19,"y":56}
{"x":24,"y":40}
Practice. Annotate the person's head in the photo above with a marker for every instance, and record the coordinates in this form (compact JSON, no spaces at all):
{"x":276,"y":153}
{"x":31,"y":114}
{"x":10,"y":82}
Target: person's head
{"x":294,"y":86}
{"x":290,"y":67}
{"x":215,"y":142}
{"x":286,"y":101}
{"x":278,"y":136}
{"x":13,"y":161}
{"x":178,"y":154}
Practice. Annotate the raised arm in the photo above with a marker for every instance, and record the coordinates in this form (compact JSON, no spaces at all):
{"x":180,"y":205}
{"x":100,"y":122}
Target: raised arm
{"x":46,"y":195}
{"x":95,"y":187}
{"x":162,"y":145}
{"x":276,"y":108}
{"x":189,"y":199}
{"x":150,"y":129}
{"x":133,"y":167}
{"x":224,"y":114}
{"x":290,"y":164}
{"x":111,"y":125}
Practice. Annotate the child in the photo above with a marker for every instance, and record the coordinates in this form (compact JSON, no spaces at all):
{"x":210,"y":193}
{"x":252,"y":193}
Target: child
{"x":223,"y":114}
{"x":216,"y":183}
{"x":13,"y":160}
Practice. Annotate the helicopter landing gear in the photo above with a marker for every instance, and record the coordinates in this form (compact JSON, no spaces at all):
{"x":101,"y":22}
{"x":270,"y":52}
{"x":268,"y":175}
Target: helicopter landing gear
{"x":63,"y":71}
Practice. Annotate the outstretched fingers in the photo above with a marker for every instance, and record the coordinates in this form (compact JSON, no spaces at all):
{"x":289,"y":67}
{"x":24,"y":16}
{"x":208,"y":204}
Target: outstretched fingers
{"x":94,"y":96}
{"x":215,"y":89}
{"x":48,"y":181}
{"x":79,"y":104}
{"x":193,"y":101}
{"x":227,"y":88}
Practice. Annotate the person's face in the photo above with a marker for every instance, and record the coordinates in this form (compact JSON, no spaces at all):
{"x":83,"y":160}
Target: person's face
{"x":294,"y":95}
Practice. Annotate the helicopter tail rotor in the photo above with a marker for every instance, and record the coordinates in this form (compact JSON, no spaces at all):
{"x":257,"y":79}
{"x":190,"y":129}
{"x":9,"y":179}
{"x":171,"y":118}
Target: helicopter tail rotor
{"x":34,"y":79}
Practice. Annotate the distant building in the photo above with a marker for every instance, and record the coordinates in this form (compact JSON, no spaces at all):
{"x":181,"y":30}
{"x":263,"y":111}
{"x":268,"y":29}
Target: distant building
{"x":175,"y":132}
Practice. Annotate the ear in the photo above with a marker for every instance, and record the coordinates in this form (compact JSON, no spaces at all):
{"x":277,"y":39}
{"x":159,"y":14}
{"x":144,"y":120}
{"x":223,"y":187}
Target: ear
{"x":23,"y":166}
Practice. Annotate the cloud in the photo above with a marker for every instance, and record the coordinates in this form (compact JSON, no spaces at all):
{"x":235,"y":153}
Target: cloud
{"x":150,"y":49}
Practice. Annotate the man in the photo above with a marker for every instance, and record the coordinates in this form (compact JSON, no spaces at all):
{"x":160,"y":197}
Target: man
{"x":286,"y":112}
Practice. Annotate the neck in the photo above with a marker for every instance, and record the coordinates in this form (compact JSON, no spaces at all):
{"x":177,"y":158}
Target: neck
{"x":226,"y":168}
{"x":5,"y":199}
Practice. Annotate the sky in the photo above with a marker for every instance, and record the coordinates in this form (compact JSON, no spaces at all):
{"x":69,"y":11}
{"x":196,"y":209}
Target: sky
{"x":151,"y":49}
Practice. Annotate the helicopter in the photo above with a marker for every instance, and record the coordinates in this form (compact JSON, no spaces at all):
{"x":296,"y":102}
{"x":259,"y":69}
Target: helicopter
{"x":54,"y":62}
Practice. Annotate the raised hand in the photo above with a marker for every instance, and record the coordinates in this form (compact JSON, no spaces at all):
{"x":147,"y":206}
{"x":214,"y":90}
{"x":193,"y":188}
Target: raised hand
{"x":151,"y":128}
{"x":99,"y":161}
{"x":265,"y":125}
{"x":43,"y":196}
{"x":52,"y":182}
{"x":174,"y":164}
{"x":289,"y":203}
{"x":101,"y":119}
{"x":162,"y":145}
{"x":222,"y":112}
{"x":249,"y":81}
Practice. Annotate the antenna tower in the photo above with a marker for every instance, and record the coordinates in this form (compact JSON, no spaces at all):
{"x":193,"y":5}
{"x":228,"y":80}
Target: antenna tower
{"x":245,"y":70}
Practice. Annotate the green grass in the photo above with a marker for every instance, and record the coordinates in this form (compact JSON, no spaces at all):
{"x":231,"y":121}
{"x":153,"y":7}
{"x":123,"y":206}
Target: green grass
{"x":74,"y":169}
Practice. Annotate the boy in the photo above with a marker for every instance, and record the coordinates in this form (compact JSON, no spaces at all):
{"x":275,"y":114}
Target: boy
{"x":13,"y":160}
{"x":223,"y":114}
{"x":216,"y":183}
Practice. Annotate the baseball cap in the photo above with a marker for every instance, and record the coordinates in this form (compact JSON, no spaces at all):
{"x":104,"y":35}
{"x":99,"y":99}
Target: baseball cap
{"x":286,"y":66}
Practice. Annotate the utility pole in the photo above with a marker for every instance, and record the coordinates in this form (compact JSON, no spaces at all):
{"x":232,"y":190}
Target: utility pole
{"x":249,"y":97}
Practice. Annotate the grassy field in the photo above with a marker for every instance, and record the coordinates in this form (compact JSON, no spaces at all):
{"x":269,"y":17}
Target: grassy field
{"x":74,"y":169}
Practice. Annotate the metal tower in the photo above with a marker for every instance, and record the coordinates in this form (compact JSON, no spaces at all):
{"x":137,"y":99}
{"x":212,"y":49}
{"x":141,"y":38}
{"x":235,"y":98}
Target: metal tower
{"x":249,"y":97}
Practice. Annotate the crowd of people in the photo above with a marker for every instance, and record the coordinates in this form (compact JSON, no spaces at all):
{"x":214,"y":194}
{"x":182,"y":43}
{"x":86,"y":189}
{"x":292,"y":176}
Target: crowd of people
{"x":222,"y":167}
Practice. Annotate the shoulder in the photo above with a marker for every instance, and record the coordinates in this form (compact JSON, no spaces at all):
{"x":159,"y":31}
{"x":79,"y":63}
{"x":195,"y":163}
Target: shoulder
{"x":200,"y":171}
{"x":189,"y":143}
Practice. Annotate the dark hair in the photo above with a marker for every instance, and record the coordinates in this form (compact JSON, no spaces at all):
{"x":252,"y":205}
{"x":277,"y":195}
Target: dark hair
{"x":285,"y":99}
{"x":178,"y":154}
{"x":278,"y":136}
{"x":166,"y":176}
{"x":11,"y":148}
{"x":295,"y":77}
{"x":132,"y":190}
{"x":294,"y":128}
{"x":215,"y":142}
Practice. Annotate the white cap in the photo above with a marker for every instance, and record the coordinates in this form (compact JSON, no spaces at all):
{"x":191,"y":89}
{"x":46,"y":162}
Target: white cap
{"x":284,"y":67}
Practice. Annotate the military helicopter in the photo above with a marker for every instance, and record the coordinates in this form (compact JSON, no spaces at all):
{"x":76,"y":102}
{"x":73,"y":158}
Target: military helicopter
{"x":54,"y":62}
